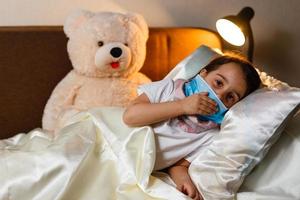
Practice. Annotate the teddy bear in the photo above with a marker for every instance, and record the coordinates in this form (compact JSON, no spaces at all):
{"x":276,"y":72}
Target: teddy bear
{"x":107,"y":50}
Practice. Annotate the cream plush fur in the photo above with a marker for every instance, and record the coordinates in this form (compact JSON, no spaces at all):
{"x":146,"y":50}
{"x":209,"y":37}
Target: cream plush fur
{"x":106,"y":50}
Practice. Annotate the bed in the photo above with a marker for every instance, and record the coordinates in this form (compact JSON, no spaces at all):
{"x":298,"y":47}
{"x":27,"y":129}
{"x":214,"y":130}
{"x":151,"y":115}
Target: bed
{"x":34,"y":59}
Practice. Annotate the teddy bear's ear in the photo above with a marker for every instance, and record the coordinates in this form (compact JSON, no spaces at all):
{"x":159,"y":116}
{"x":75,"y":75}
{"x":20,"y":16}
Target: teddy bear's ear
{"x":140,"y":21}
{"x":75,"y":20}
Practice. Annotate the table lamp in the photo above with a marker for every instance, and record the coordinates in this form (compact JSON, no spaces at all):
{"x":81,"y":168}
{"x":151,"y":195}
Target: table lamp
{"x":235,"y":29}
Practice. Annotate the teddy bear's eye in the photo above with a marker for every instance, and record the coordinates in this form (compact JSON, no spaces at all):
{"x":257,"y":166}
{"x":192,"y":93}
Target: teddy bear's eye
{"x":126,"y":44}
{"x":100,"y":43}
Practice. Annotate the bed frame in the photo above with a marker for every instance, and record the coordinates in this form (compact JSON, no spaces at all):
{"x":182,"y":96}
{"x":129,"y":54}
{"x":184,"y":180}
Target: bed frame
{"x":34,"y":59}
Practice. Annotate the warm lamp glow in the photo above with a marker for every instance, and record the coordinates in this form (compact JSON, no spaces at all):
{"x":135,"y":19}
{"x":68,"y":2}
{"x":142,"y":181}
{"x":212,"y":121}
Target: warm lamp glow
{"x":230,"y":32}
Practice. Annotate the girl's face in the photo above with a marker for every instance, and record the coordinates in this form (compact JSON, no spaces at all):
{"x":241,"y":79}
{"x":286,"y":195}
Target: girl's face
{"x":228,"y":82}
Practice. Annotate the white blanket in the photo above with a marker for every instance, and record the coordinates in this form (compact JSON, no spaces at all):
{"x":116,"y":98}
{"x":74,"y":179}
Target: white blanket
{"x":96,"y":157}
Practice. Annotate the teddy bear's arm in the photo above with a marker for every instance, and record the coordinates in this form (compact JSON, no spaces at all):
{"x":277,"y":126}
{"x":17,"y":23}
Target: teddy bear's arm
{"x":61,"y":99}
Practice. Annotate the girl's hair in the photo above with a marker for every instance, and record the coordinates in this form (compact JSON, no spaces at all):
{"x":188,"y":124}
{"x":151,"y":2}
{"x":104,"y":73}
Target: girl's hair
{"x":251,"y":76}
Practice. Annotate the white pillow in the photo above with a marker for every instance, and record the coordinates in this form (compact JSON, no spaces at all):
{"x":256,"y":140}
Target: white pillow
{"x":248,"y":131}
{"x":277,"y":177}
{"x":193,"y":63}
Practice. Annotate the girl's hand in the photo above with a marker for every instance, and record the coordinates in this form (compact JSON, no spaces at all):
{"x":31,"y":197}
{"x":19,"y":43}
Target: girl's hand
{"x":189,"y":189}
{"x":181,"y":178}
{"x":198,"y":104}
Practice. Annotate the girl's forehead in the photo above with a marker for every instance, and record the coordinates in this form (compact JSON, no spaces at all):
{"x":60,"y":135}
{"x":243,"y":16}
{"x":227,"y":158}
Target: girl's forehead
{"x":229,"y":70}
{"x":229,"y":67}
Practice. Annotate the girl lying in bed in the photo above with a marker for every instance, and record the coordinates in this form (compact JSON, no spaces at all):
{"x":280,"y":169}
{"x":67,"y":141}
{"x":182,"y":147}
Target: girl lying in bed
{"x":186,"y":114}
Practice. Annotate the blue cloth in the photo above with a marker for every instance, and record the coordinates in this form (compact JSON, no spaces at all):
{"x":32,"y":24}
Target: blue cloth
{"x":197,"y":85}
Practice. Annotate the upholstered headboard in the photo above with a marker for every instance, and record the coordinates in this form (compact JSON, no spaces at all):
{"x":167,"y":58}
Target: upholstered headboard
{"x":34,"y":59}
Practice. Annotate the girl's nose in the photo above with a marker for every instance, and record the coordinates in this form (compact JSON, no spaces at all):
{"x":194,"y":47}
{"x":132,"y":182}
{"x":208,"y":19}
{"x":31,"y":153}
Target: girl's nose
{"x":220,"y":95}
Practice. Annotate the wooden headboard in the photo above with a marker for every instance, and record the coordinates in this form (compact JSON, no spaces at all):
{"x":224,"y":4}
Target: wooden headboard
{"x":34,"y":59}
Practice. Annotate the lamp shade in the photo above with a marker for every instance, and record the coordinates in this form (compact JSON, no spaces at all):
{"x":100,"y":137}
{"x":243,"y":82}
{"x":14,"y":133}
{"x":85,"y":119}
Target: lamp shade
{"x":235,"y":29}
{"x":230,"y":32}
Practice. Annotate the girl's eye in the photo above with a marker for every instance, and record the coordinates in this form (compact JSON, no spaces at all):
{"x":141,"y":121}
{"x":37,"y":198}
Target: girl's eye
{"x":100,"y":43}
{"x":231,"y":99}
{"x":219,"y":83}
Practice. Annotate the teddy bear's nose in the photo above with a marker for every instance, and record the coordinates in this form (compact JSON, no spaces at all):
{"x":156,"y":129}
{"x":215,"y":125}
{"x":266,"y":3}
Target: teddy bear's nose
{"x":116,"y":52}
